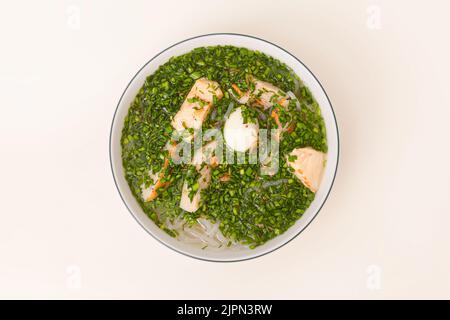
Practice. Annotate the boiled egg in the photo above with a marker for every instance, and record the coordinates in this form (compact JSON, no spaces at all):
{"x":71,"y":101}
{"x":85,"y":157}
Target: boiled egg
{"x":240,"y":136}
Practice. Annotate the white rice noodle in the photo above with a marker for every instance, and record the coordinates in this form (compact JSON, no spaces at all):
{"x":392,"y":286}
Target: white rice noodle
{"x":175,"y":225}
{"x":293,"y":97}
{"x":274,"y":183}
{"x":203,"y":234}
{"x":296,"y":85}
{"x":230,"y":108}
{"x":242,"y":100}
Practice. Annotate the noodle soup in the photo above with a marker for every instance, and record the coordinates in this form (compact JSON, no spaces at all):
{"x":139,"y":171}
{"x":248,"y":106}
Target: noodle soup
{"x":224,"y":147}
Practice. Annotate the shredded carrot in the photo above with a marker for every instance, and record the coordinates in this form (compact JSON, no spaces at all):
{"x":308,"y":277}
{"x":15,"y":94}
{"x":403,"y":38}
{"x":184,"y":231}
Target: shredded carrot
{"x":225,"y":177}
{"x":259,"y":101}
{"x":281,"y":101}
{"x":236,"y":88}
{"x":274,"y":113}
{"x":214,"y":161}
{"x":291,"y":128}
{"x":276,"y":117}
{"x":154,"y":192}
{"x":158,"y":183}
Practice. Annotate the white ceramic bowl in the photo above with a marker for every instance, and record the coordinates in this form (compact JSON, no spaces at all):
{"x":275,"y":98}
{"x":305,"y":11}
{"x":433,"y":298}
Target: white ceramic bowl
{"x":240,"y":41}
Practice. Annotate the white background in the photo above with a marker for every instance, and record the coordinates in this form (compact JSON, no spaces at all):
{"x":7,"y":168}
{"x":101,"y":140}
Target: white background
{"x":384,"y":231}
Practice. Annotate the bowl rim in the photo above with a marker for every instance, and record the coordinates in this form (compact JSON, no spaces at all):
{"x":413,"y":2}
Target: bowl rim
{"x":282,"y":243}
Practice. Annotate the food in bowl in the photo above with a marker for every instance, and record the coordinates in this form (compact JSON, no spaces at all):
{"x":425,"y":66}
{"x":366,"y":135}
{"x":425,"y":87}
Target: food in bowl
{"x":224,"y":147}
